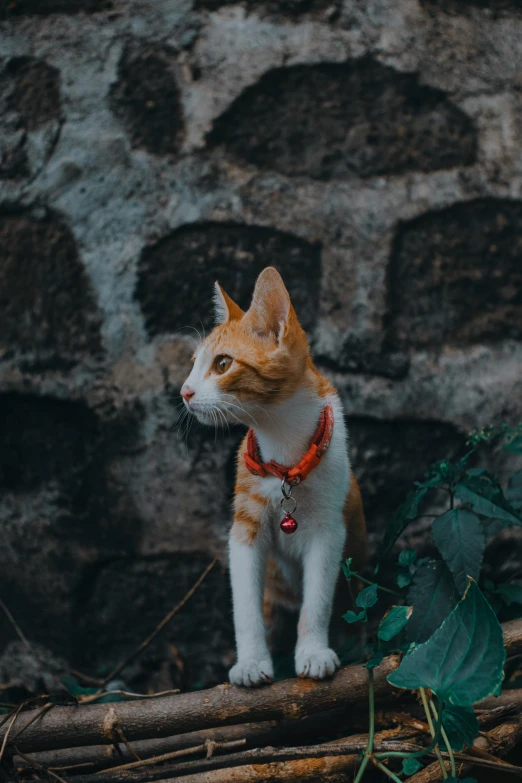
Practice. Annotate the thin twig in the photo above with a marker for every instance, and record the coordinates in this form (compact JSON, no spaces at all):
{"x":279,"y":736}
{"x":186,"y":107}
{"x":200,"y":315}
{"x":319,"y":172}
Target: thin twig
{"x":6,"y":735}
{"x":168,"y":617}
{"x":39,"y":767}
{"x":72,"y":766}
{"x":178,"y":753}
{"x":44,"y":709}
{"x":504,"y":766}
{"x":17,"y":628}
{"x":129,"y":696}
{"x":87,"y":678}
{"x":24,"y":704}
{"x":127,"y":744}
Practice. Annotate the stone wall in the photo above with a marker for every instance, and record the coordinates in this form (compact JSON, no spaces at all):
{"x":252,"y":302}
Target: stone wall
{"x":371,"y":151}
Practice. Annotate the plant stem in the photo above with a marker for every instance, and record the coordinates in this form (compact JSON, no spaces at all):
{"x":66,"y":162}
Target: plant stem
{"x":371,"y":732}
{"x":446,"y":742}
{"x":432,"y":731}
{"x":386,"y":771}
{"x":379,"y":587}
{"x":362,"y":769}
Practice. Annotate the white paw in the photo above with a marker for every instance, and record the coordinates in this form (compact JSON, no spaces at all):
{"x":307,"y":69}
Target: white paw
{"x":317,"y":664}
{"x":252,"y":672}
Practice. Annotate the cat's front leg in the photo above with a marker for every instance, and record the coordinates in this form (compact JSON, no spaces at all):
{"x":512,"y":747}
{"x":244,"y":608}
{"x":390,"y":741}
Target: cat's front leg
{"x":313,"y":656}
{"x":247,"y":572}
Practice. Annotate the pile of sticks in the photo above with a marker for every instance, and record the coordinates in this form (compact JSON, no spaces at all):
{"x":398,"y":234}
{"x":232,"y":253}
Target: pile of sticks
{"x":232,"y":735}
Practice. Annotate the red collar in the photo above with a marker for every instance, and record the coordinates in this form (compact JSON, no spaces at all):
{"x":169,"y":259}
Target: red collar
{"x":311,"y":459}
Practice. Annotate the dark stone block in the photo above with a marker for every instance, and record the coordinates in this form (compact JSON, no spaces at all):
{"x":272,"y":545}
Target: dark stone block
{"x":43,"y":7}
{"x":29,"y":99}
{"x":44,"y":439}
{"x":177,"y":275}
{"x":126,"y":599}
{"x":61,"y":507}
{"x":356,"y":357}
{"x":461,"y":6}
{"x":46,"y":302}
{"x":147,"y":99}
{"x":332,"y":121}
{"x":289,"y":8}
{"x":455,"y":276}
{"x":36,"y":94}
{"x":388,"y":456}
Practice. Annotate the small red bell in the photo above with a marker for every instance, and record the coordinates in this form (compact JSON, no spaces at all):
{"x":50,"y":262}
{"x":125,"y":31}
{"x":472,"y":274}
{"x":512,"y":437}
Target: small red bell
{"x":288,"y":524}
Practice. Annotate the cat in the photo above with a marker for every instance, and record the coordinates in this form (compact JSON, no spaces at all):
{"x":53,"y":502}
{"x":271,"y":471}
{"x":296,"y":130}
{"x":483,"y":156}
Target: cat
{"x":255,"y":368}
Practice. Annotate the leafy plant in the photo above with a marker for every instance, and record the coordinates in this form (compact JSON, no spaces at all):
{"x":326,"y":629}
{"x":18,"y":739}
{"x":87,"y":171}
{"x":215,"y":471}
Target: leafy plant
{"x":463,"y":660}
{"x":446,"y":628}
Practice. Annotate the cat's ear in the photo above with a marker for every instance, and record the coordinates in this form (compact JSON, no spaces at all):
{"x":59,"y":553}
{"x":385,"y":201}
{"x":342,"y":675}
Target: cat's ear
{"x":225,"y":309}
{"x":271,"y":307}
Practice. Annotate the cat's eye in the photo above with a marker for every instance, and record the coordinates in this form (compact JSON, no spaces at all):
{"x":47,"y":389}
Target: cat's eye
{"x":222,"y":363}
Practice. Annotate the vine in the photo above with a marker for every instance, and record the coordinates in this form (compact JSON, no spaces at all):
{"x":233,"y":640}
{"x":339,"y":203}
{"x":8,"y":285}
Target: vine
{"x":446,"y":628}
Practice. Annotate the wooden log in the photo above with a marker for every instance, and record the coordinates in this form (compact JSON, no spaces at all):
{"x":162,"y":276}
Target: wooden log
{"x":66,"y":727}
{"x":138,"y":772}
{"x":93,"y":724}
{"x":274,"y":732}
{"x":513,"y":696}
{"x":100,"y":757}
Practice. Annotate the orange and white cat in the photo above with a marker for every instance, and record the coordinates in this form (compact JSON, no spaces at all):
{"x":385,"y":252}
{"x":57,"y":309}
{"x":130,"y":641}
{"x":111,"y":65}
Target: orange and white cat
{"x":255,"y":368}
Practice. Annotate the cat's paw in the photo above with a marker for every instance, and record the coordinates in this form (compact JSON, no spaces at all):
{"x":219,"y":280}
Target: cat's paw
{"x":251,"y":672}
{"x":316,"y":664}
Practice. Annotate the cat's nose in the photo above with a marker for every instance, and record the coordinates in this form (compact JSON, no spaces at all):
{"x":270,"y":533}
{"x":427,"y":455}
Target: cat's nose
{"x":187,"y":392}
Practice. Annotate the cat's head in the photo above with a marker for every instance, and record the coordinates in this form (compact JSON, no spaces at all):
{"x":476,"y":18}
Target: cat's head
{"x":250,"y":360}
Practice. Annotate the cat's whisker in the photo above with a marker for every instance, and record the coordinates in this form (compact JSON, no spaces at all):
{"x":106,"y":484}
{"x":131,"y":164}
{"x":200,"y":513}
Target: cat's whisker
{"x":181,"y":418}
{"x":242,"y":409}
{"x":225,"y":422}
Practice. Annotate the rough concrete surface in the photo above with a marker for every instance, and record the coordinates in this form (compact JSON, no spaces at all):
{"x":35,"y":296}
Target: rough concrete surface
{"x":371,"y":151}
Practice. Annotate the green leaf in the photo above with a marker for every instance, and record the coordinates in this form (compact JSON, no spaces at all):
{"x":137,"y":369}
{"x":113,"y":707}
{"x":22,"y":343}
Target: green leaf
{"x":347,"y":569}
{"x":410,"y":766}
{"x":463,"y":661}
{"x":407,"y":557}
{"x":433,"y":595}
{"x":352,"y":617}
{"x":403,"y":579}
{"x":376,"y":660}
{"x":393,"y":622}
{"x":486,"y":498}
{"x":406,"y":513}
{"x":461,"y":725}
{"x":510,"y":592}
{"x":460,"y":539}
{"x":367,"y":597}
{"x":514,"y":445}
